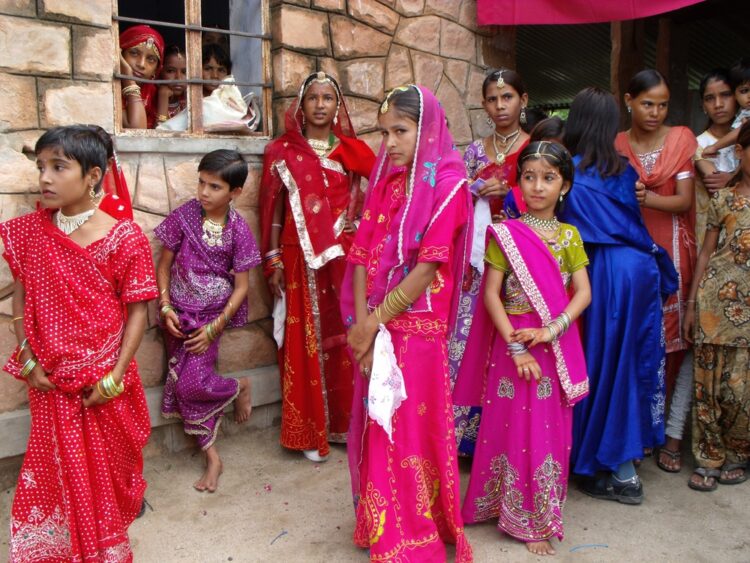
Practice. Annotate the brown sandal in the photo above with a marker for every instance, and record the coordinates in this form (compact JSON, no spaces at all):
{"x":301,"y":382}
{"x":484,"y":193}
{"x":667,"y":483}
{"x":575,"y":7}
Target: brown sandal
{"x":674,"y":456}
{"x":705,"y":486}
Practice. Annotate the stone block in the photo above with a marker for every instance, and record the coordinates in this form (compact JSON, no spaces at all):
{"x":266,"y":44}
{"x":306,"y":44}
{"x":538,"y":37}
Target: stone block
{"x":421,"y":33}
{"x":389,"y":3}
{"x":455,"y":110}
{"x":247,"y":347}
{"x":375,"y":14}
{"x":151,"y":358}
{"x":410,"y":7}
{"x":352,"y":39}
{"x":447,"y":8}
{"x":259,"y":302}
{"x":19,"y":110}
{"x":458,"y":72}
{"x":363,"y":113}
{"x":479,"y":126}
{"x":301,"y":29}
{"x":12,"y":392}
{"x":467,"y":16}
{"x":250,"y":191}
{"x":18,"y":7}
{"x":280,"y":105}
{"x":182,"y":179}
{"x":31,"y":46}
{"x":148,"y":222}
{"x":456,"y":41}
{"x":92,"y":52}
{"x":373,"y":139}
{"x":398,"y":68}
{"x":330,"y":66}
{"x":497,"y":50}
{"x":363,"y":77}
{"x":151,"y":192}
{"x":67,"y":103}
{"x":87,"y":11}
{"x":428,"y":69}
{"x":330,"y":5}
{"x":18,"y":173}
{"x":289,"y":70}
{"x":474,"y":95}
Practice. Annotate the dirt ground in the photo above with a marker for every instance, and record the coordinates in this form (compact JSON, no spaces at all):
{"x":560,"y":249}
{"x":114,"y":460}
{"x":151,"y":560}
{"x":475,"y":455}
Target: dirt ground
{"x":273,"y":505}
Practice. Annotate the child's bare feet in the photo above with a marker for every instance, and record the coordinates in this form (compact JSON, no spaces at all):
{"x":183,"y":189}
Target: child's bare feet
{"x":540,"y":548}
{"x":209,"y":481}
{"x":242,"y":404}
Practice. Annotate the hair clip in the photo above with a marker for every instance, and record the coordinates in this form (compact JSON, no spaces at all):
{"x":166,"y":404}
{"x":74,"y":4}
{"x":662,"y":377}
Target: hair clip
{"x":384,"y":105}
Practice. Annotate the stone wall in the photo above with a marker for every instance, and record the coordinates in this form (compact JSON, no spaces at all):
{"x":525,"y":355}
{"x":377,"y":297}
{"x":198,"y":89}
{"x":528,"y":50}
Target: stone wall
{"x":56,"y":69}
{"x":372,"y":46}
{"x":57,"y":66}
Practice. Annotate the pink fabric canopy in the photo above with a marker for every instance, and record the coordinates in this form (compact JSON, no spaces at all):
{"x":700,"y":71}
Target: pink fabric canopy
{"x":526,"y":12}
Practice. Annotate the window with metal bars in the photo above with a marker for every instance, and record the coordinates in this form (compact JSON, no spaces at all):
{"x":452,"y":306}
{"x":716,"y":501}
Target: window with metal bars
{"x":238,"y":27}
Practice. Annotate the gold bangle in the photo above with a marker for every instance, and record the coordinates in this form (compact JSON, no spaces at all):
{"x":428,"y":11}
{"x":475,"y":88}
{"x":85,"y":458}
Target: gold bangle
{"x":28,"y":367}
{"x":377,"y":315}
{"x":21,"y":349}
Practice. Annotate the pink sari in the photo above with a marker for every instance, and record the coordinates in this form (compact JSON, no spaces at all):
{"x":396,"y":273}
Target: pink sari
{"x":406,"y":492}
{"x":521,"y":462}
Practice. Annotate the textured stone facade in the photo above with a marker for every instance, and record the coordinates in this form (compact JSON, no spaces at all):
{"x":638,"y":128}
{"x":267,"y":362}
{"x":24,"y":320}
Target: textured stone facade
{"x":57,"y":66}
{"x":372,"y":46}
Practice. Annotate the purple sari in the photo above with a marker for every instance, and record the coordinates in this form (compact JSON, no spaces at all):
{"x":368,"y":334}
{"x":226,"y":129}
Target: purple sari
{"x":201,"y":283}
{"x":521,"y":461}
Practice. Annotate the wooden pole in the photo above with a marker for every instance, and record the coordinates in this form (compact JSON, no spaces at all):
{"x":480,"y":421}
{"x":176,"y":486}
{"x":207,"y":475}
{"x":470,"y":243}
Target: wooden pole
{"x":628,"y":38}
{"x":194,"y":50}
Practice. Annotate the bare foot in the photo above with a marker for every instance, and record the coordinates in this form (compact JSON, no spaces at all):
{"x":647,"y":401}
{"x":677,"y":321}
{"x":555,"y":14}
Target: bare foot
{"x":540,"y":547}
{"x":242,"y":405}
{"x":209,"y":481}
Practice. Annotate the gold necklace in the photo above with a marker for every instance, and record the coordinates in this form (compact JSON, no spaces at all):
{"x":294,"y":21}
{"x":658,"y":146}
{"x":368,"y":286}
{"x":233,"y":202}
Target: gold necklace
{"x":320,"y":147}
{"x":504,"y":139}
{"x":500,"y":156}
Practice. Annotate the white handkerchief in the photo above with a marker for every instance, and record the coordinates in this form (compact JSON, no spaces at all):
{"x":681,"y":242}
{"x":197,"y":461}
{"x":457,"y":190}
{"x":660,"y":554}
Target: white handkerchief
{"x":387,"y":389}
{"x":482,"y":220}
{"x":279,"y":318}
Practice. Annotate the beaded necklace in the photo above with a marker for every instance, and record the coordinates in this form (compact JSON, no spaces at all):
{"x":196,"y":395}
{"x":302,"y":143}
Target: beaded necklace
{"x":68,"y":224}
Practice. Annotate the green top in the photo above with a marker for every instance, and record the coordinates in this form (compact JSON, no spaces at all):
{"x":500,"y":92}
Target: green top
{"x":568,"y":249}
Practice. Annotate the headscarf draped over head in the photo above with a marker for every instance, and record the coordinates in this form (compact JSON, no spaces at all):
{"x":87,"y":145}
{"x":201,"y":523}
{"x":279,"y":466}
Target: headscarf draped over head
{"x":303,"y":163}
{"x":437,"y":175}
{"x":138,"y":35}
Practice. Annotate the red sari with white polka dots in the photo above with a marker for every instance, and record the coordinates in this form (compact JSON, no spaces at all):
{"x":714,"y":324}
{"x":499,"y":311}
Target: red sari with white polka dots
{"x":81,"y":483}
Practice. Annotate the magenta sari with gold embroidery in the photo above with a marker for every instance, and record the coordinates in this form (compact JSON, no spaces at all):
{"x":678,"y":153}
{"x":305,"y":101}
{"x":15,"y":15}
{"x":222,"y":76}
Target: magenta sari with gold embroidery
{"x":521,"y":461}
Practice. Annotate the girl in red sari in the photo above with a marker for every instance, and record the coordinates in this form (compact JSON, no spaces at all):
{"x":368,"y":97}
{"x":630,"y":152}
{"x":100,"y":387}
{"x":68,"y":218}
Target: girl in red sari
{"x":79,"y":306}
{"x":142,"y":55}
{"x":310,"y":197}
{"x":663,"y":158}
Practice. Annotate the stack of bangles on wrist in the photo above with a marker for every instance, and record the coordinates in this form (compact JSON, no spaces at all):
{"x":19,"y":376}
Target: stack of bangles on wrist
{"x":272,"y":262}
{"x":108,"y":388}
{"x":166,"y":307}
{"x":30,"y":364}
{"x":132,"y":93}
{"x":517,"y":349}
{"x":395,"y":303}
{"x":558,"y":326}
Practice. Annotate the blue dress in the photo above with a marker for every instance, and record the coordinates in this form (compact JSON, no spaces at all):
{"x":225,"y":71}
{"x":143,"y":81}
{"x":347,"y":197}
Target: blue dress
{"x":622,"y":328}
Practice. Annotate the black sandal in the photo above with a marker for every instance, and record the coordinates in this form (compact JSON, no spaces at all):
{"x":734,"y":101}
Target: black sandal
{"x":707,"y":474}
{"x":727,"y":467}
{"x":674,"y":456}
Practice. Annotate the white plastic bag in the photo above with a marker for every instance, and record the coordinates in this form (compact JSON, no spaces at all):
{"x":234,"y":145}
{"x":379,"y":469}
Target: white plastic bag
{"x":224,"y":110}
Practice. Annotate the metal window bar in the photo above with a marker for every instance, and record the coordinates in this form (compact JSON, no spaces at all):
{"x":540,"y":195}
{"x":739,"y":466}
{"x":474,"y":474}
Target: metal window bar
{"x":192,"y":41}
{"x":190,"y":81}
{"x":190,"y":27}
